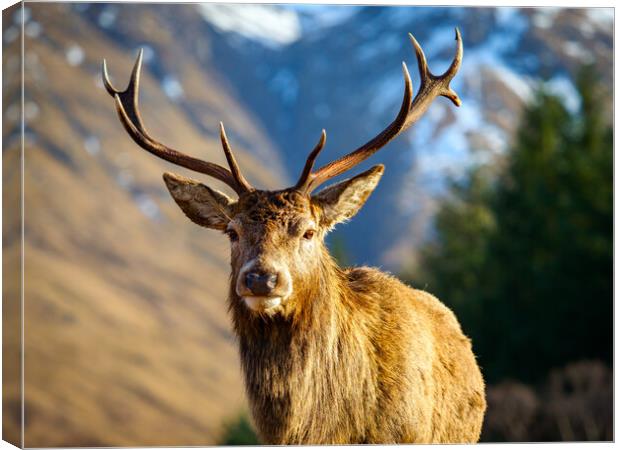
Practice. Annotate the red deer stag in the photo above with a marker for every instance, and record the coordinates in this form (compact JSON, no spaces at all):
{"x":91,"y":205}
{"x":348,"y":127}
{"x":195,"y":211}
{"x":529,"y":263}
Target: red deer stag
{"x":329,"y":355}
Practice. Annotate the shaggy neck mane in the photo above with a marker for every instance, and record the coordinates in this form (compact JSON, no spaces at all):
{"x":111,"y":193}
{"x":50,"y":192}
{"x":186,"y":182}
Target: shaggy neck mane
{"x":304,"y":362}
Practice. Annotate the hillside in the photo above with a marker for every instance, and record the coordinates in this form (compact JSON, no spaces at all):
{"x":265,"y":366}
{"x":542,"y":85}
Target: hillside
{"x":301,"y":68}
{"x":127,"y":336}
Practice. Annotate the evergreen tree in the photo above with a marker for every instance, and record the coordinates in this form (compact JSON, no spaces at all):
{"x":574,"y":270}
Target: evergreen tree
{"x":527,"y":264}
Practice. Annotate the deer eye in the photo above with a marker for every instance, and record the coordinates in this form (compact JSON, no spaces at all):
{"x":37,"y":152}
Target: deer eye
{"x":309,"y":234}
{"x":232,"y":235}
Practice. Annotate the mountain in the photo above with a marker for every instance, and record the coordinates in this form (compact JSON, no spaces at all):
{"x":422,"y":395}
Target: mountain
{"x":127,"y":339}
{"x":342,"y":73}
{"x":302,"y":68}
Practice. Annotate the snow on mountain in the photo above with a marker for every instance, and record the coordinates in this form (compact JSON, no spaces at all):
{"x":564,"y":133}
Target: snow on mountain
{"x":315,"y":18}
{"x":272,"y":25}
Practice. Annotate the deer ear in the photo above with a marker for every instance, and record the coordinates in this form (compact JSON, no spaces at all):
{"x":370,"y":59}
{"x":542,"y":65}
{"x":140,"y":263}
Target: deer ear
{"x":203,"y":205}
{"x":343,"y":200}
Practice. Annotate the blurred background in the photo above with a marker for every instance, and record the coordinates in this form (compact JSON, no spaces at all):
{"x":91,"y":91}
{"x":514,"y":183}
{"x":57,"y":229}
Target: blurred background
{"x":501,"y":208}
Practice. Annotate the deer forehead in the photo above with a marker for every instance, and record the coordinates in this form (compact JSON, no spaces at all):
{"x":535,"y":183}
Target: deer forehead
{"x":274,"y":207}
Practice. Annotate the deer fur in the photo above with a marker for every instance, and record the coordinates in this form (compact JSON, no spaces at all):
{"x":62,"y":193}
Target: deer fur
{"x":352,"y":355}
{"x":329,"y":355}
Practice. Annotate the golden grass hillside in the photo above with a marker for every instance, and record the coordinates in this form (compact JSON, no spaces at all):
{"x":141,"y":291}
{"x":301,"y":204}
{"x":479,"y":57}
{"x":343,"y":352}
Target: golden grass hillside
{"x":127,"y":339}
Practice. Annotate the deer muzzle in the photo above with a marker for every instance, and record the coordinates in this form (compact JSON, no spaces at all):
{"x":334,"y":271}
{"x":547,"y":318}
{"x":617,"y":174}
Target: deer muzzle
{"x":263,"y":288}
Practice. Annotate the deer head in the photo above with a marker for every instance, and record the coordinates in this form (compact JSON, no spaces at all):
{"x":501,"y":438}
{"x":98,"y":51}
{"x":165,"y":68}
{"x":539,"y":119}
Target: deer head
{"x":277,"y":236}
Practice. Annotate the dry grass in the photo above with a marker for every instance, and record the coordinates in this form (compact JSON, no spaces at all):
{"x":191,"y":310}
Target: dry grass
{"x":127,"y":337}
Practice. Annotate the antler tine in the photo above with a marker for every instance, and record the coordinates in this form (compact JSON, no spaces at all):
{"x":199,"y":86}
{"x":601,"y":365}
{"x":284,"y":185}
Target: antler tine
{"x":431,"y":86}
{"x":421,"y":58}
{"x":307,"y":172}
{"x":129,"y":95}
{"x":127,"y":108}
{"x":458,"y":58}
{"x":232,"y":162}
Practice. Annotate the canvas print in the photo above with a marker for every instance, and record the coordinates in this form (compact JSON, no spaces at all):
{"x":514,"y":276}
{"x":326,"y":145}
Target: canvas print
{"x":237,"y":224}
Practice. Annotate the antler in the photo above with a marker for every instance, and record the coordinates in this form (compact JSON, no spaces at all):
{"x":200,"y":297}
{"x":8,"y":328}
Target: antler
{"x":127,"y":107}
{"x":431,"y":86}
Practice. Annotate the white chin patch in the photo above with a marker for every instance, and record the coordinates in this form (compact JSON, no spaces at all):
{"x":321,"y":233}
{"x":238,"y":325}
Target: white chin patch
{"x":262,"y":303}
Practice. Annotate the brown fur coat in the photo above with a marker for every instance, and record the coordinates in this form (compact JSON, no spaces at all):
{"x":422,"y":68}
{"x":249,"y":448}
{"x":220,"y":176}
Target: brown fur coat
{"x":374,"y":361}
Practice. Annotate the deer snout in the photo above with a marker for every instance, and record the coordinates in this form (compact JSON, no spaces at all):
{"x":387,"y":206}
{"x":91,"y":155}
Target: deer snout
{"x":263,"y":287}
{"x":260,"y":283}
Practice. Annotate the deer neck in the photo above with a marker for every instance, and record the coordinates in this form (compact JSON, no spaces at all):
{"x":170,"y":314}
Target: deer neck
{"x":292,"y":363}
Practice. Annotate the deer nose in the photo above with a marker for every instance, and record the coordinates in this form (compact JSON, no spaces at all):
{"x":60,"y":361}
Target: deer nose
{"x":261,"y":283}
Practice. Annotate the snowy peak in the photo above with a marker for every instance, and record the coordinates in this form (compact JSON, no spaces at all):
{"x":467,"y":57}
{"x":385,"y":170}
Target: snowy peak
{"x":270,"y":25}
